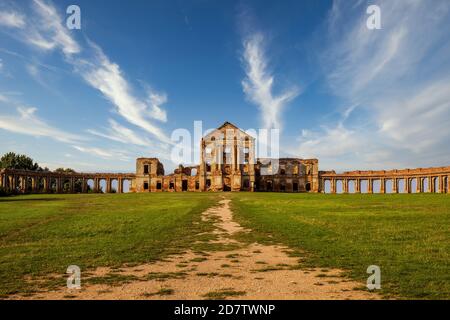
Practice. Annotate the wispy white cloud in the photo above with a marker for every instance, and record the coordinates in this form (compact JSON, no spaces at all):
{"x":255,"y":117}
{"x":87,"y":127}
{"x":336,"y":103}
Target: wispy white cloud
{"x":122,"y":134}
{"x":12,"y":19}
{"x":25,"y":121}
{"x":107,"y":77}
{"x":396,"y":79}
{"x":48,"y":32}
{"x":103,"y":153}
{"x":258,"y":84}
{"x":156,"y":100}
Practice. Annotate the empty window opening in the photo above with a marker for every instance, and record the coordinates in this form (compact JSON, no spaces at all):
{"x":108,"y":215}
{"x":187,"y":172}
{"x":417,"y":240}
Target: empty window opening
{"x":145,"y":185}
{"x":158,"y":185}
{"x":184,"y":185}
{"x":146,"y":169}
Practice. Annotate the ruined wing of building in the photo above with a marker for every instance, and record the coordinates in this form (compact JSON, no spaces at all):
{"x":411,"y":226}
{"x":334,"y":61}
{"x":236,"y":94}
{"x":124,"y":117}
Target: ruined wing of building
{"x":228,"y":163}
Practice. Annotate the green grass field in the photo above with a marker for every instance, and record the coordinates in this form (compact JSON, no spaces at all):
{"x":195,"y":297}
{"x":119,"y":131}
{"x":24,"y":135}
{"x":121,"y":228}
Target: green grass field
{"x":44,"y":234}
{"x":407,"y":236}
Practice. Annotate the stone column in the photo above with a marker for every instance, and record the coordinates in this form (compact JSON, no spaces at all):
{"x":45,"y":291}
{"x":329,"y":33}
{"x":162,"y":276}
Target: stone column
{"x":46,"y":184}
{"x":430,"y":185}
{"x":357,"y":186}
{"x":3,"y":181}
{"x":407,"y":185}
{"x":34,"y":184}
{"x":108,"y":185}
{"x":382,"y":185}
{"x":448,"y":184}
{"x":418,"y":185}
{"x":96,"y":185}
{"x":14,"y":183}
{"x":333,"y":185}
{"x":119,"y":185}
{"x":23,"y":184}
{"x":83,"y":185}
{"x":441,"y":183}
{"x":394,"y":185}
{"x":369,"y":186}
{"x":72,"y":185}
{"x":345,"y":185}
{"x":234,"y":158}
{"x":57,"y":184}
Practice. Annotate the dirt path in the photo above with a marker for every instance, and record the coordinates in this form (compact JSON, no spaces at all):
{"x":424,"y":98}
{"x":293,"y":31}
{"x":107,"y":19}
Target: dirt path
{"x":252,"y":271}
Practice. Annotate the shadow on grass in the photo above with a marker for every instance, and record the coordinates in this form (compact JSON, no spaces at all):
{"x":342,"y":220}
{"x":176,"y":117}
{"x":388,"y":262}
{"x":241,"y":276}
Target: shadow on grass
{"x":12,"y":199}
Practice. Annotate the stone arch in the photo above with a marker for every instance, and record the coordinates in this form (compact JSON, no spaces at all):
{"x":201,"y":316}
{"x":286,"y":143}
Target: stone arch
{"x":401,"y":185}
{"x":65,"y":185}
{"x":376,"y":185}
{"x":102,"y":185}
{"x":351,"y":186}
{"x":126,"y":185}
{"x":364,"y":186}
{"x":389,"y":186}
{"x":78,"y":185}
{"x":436,"y":185}
{"x":339,"y":186}
{"x":40,"y":184}
{"x":308,"y":187}
{"x":413,"y":184}
{"x":53,"y":185}
{"x":90,"y":185}
{"x":29,"y":184}
{"x":114,"y":185}
{"x":425,"y":184}
{"x":327,"y":186}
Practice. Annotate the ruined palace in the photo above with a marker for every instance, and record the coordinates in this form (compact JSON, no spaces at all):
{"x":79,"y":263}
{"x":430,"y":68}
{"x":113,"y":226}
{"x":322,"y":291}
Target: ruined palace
{"x":228,"y":163}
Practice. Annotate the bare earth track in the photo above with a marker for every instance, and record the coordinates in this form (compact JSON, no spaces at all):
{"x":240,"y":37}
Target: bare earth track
{"x":248,"y":271}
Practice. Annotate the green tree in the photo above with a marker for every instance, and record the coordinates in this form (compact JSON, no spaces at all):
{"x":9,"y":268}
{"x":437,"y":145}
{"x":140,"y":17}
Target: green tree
{"x":65,"y":170}
{"x":11,"y":160}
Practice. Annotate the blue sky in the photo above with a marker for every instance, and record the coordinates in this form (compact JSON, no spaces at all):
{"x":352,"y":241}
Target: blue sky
{"x":97,"y":98}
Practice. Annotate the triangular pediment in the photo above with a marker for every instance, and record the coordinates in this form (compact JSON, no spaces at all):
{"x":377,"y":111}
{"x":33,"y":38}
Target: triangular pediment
{"x":227,"y":126}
